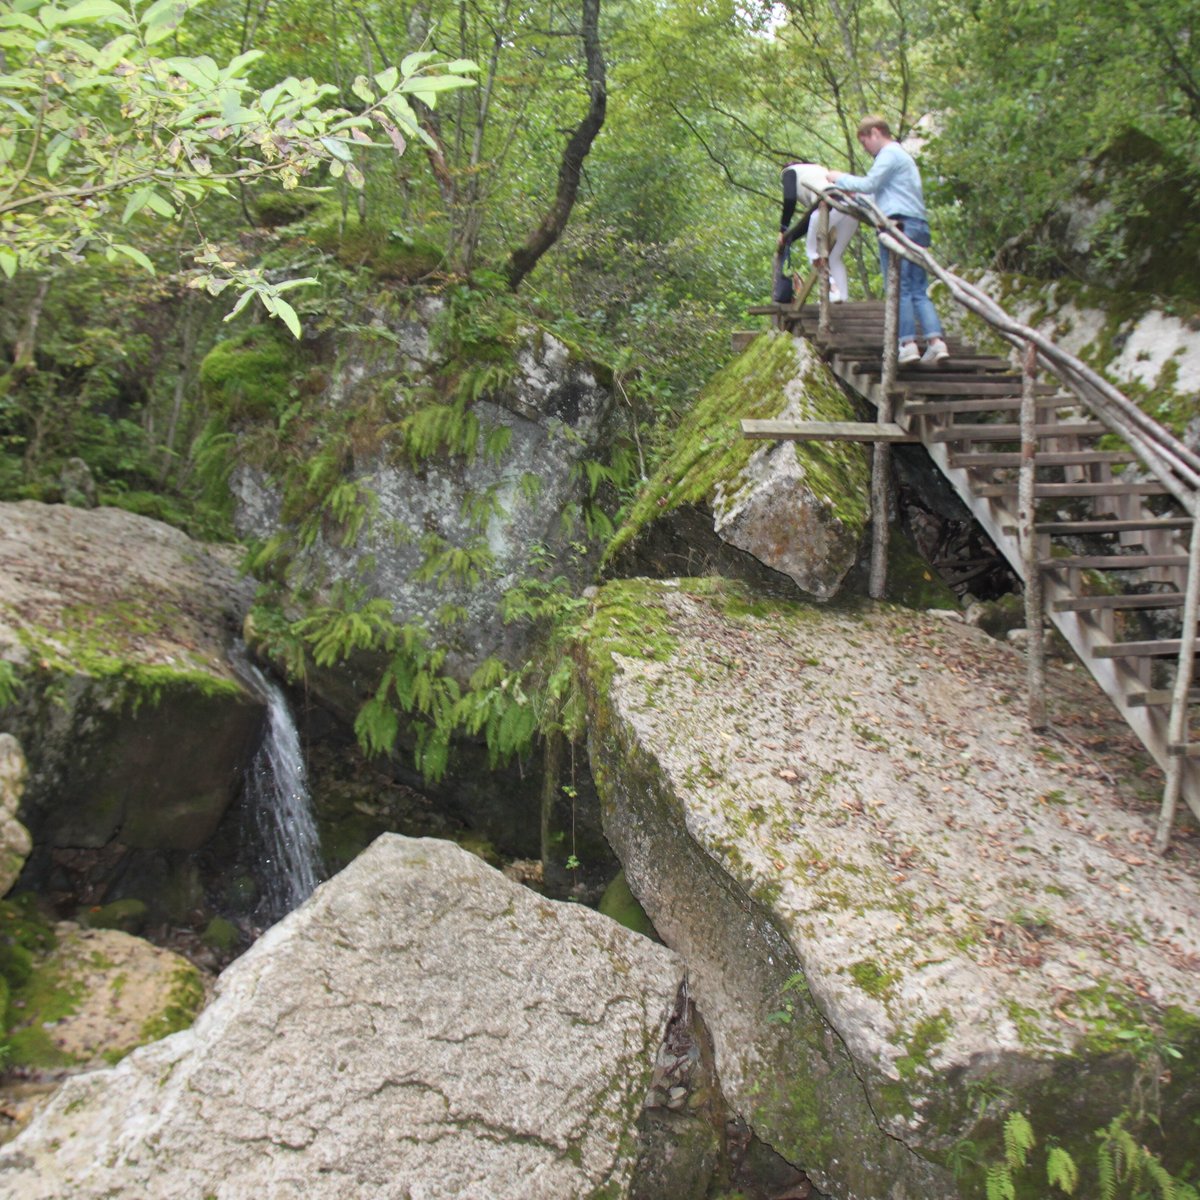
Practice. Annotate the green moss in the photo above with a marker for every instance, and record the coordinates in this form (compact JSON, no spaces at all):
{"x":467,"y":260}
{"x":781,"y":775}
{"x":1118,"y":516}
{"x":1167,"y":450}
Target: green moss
{"x":128,"y":915}
{"x":911,"y":581}
{"x":251,"y":375}
{"x":930,"y":1032}
{"x":872,"y":978}
{"x":46,"y":996}
{"x":710,"y":449}
{"x":277,"y":207}
{"x":619,"y":903}
{"x":220,"y":934}
{"x":183,"y":1003}
{"x":391,"y":254}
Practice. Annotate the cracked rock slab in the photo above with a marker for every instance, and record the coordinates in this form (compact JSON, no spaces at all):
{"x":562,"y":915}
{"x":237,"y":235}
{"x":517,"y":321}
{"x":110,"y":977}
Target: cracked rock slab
{"x":421,"y":1028}
{"x":903,"y":914}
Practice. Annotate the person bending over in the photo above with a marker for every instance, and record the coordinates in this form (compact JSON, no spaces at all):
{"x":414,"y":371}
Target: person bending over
{"x":803,"y":183}
{"x":895,"y":182}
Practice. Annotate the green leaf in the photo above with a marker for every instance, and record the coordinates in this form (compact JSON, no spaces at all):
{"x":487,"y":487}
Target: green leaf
{"x":462,"y":65}
{"x":415,"y":61}
{"x":337,"y":148}
{"x":8,"y":262}
{"x":361,"y":87}
{"x":287,"y":314}
{"x":136,"y":203}
{"x":92,"y":11}
{"x":387,"y":79}
{"x":354,"y":176}
{"x":132,"y":252}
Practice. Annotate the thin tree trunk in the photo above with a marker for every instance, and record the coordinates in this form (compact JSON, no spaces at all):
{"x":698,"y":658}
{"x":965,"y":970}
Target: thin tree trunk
{"x":525,"y":258}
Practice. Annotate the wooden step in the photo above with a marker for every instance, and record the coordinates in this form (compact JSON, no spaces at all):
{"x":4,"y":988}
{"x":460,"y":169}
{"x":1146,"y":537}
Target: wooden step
{"x":985,"y":363}
{"x":939,"y":408}
{"x":1139,"y":600}
{"x":1043,"y":458}
{"x":1159,"y":698}
{"x":1114,"y":562}
{"x":986,"y":432}
{"x":1048,"y":491}
{"x":915,"y":385}
{"x":1132,"y":525}
{"x":827,"y":431}
{"x":1167,"y":648}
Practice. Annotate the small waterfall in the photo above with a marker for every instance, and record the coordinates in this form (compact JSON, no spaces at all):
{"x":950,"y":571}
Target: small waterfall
{"x":279,"y":807}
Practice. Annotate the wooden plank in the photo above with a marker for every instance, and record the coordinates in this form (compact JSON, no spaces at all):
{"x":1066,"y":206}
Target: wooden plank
{"x":915,"y":385}
{"x":1132,"y":601}
{"x":1046,"y":458}
{"x":984,"y":364}
{"x":986,"y":432}
{"x":941,"y":408}
{"x":1160,"y":698}
{"x":1060,"y":490}
{"x":1132,"y":525}
{"x":1167,"y":648}
{"x":1114,"y":562}
{"x":828,"y":431}
{"x":1184,"y":749}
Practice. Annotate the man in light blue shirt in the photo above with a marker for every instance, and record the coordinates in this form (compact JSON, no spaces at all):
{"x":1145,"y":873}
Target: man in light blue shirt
{"x":895,"y":183}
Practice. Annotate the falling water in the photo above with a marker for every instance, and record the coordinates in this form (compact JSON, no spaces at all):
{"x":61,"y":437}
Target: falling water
{"x":278,"y":804}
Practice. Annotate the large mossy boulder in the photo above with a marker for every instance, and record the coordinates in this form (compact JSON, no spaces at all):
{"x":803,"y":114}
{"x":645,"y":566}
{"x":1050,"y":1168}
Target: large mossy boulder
{"x":903,"y":916}
{"x":421,"y":1026}
{"x":116,"y":630}
{"x":437,"y":461}
{"x":793,"y":510}
{"x":93,"y":995}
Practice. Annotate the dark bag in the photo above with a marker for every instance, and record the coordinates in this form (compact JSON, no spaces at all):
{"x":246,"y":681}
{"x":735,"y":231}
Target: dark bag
{"x":783,"y":292}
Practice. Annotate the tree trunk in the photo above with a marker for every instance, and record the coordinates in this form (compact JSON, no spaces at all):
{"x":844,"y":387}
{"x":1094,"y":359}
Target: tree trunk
{"x":523,"y":259}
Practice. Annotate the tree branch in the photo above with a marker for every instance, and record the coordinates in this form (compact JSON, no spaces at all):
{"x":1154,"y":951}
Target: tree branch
{"x":523,"y":259}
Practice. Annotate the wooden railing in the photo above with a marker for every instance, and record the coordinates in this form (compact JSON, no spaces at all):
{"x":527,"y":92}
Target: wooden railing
{"x":1171,"y":462}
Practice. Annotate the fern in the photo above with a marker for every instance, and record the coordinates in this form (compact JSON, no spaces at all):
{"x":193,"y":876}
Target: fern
{"x":10,"y":683}
{"x":1000,"y":1183}
{"x":1061,"y":1171}
{"x":1018,"y":1140}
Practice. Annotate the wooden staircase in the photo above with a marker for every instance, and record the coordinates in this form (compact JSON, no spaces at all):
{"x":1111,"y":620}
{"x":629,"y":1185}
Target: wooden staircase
{"x":1111,"y":541}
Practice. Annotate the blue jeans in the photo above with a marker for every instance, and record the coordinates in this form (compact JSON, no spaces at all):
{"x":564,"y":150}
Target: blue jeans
{"x":915,"y":305}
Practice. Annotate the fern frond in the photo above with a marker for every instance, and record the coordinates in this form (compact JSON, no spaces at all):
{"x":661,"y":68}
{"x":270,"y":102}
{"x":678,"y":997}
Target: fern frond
{"x":1061,"y":1171}
{"x":1000,"y":1183}
{"x":1018,"y":1139}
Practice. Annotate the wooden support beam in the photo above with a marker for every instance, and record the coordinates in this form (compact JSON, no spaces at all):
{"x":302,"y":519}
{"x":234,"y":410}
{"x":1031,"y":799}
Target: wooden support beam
{"x":1159,"y":698}
{"x":1060,"y":490}
{"x":1166,"y":648}
{"x":1140,"y":601}
{"x":827,"y":431}
{"x":1044,"y":458}
{"x":1113,"y":562}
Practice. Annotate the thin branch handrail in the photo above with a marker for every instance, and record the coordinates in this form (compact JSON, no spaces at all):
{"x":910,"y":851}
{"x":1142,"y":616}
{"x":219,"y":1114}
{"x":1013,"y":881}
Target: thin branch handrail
{"x":1173,"y":463}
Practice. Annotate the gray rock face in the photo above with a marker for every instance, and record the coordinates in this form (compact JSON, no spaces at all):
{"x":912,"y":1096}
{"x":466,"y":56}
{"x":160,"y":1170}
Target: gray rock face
{"x":509,"y":513}
{"x":892,"y":900}
{"x":133,"y":723}
{"x":15,"y":843}
{"x":422,"y":1027}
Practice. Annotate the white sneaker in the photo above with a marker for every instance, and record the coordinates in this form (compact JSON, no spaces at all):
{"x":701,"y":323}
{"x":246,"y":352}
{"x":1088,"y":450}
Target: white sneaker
{"x":908,"y":354}
{"x":935,"y":353}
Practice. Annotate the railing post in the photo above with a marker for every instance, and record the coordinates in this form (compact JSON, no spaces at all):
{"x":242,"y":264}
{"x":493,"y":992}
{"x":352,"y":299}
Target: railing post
{"x":825,"y":319}
{"x":1035,"y":664}
{"x":881,"y":462}
{"x":1177,"y":724}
